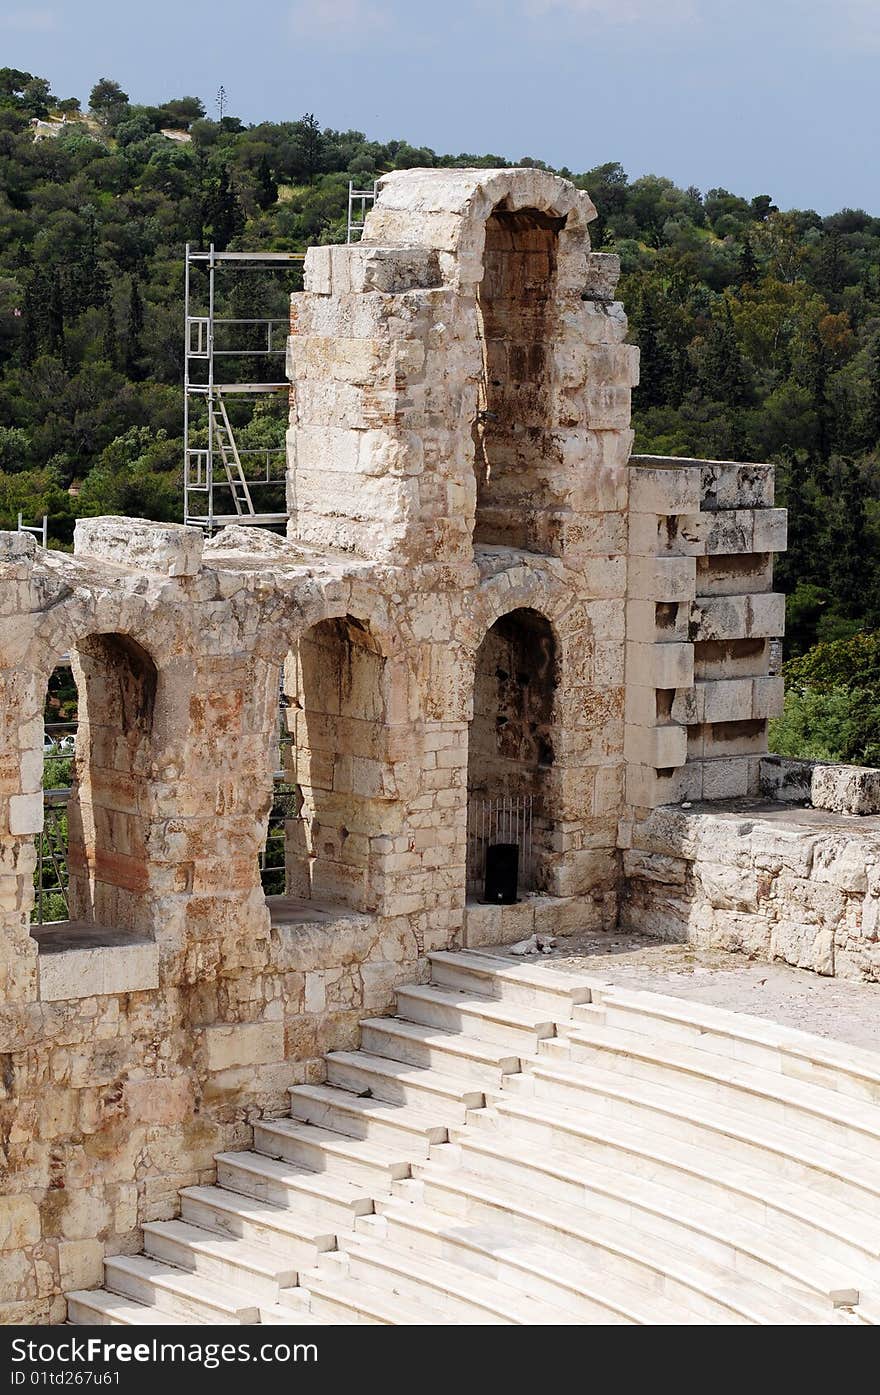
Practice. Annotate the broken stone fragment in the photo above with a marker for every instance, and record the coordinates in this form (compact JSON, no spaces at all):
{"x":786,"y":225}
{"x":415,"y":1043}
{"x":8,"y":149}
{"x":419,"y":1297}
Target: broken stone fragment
{"x":167,"y":548}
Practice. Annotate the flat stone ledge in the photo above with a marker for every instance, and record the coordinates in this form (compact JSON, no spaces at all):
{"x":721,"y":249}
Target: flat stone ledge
{"x":169,"y":549}
{"x":292,"y":912}
{"x":86,"y":961}
{"x":489,"y":924}
{"x":841,"y":789}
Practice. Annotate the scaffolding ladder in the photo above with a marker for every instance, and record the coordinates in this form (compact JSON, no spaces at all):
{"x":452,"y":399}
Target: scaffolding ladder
{"x":223,"y":482}
{"x":228,"y":451}
{"x":39,"y":530}
{"x":358,"y":199}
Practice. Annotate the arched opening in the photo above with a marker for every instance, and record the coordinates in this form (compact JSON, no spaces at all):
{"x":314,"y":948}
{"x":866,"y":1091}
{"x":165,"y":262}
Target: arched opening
{"x":510,"y":747}
{"x":60,"y":722}
{"x":512,"y":440}
{"x":95,"y":837}
{"x":334,"y":784}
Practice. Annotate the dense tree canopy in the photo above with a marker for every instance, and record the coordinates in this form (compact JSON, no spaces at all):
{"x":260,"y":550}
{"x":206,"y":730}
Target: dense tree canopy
{"x":759,"y":328}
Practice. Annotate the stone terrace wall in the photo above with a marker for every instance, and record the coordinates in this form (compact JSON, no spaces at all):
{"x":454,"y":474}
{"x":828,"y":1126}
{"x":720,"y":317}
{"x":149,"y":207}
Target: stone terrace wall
{"x":798,"y":886}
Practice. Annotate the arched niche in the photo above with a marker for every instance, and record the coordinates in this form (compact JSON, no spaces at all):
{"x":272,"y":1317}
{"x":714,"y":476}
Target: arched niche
{"x":109,"y":804}
{"x":336,"y":791}
{"x":513,"y":441}
{"x":511,"y":744}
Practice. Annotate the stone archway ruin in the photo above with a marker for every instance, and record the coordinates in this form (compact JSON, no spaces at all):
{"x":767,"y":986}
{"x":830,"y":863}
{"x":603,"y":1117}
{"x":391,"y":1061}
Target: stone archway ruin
{"x":515,"y":460}
{"x":605,"y":687}
{"x":336,"y":759}
{"x":510,"y":745}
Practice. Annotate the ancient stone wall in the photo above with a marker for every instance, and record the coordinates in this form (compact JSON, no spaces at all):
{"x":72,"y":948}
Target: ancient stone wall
{"x":798,"y":886}
{"x":458,"y":459}
{"x":145,"y":1036}
{"x":700,"y":618}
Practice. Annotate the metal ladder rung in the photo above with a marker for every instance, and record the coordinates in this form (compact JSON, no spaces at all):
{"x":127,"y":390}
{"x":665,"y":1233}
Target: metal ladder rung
{"x":238,"y":485}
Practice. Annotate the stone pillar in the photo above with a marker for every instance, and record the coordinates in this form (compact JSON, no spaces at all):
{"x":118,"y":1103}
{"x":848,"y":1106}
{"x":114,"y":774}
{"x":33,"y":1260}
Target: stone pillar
{"x":700,"y":616}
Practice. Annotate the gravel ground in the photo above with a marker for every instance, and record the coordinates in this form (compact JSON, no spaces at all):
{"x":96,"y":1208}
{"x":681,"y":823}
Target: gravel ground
{"x":829,"y":1007}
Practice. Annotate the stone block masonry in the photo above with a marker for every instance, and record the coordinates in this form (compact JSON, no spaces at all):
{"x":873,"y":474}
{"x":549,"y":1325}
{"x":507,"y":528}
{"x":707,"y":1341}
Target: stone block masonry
{"x":799,"y":886}
{"x":480,"y":602}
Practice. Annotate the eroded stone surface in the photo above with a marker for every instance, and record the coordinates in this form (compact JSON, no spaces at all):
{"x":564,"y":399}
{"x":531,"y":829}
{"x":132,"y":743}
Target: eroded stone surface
{"x":798,"y":886}
{"x":471,"y":560}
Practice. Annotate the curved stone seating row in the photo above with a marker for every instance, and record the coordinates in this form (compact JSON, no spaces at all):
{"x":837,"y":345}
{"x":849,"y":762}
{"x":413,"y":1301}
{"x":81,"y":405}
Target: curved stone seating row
{"x":524,"y":1146}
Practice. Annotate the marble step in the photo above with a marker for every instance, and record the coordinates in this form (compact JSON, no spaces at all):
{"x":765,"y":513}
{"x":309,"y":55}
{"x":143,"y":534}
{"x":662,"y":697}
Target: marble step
{"x":391,"y":1125}
{"x":767,"y":1094}
{"x":518,"y":1029}
{"x":271,"y":1227}
{"x":315,"y":1199}
{"x":398,"y":1083}
{"x":575,"y":1291}
{"x":461,"y":1293}
{"x":352,"y":1301}
{"x":738,"y":1133}
{"x":682,"y":1275}
{"x":844,"y":1234}
{"x":767,"y":1252}
{"x":97,"y":1307}
{"x":759,"y":1041}
{"x":527,"y":985}
{"x":465,"y":1058}
{"x":188,"y":1297}
{"x":360,"y":1162}
{"x":232,"y":1263}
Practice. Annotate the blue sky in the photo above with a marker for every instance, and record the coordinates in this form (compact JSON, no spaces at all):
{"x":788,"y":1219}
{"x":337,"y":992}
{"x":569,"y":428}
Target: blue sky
{"x":760,"y":96}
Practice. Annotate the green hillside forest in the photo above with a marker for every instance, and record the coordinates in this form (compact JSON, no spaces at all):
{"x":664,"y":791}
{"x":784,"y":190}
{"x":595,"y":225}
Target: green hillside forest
{"x":759,"y":331}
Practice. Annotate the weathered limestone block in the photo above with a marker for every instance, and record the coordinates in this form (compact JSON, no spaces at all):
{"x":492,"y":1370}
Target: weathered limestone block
{"x":738,"y":617}
{"x":845,"y":789}
{"x":25,"y":813}
{"x":167,"y":548}
{"x":80,"y":1264}
{"x":841,"y":789}
{"x":243,"y":1044}
{"x":17,"y":547}
{"x":19,"y":1223}
{"x":67,"y":973}
{"x":659,"y":486}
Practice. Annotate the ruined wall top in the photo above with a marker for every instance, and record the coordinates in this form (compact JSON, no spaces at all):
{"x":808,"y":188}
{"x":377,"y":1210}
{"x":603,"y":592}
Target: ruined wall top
{"x":447,"y":209}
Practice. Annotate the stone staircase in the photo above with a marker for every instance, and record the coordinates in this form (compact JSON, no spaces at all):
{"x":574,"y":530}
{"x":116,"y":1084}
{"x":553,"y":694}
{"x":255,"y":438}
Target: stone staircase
{"x":523,"y":1145}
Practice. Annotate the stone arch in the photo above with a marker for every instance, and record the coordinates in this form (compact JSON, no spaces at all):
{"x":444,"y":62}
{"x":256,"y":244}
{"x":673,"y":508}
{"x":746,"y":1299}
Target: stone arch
{"x":345,"y":733}
{"x":514,"y":244}
{"x":517,"y":587}
{"x":102,"y":827}
{"x":511,"y":744}
{"x":447,"y":210}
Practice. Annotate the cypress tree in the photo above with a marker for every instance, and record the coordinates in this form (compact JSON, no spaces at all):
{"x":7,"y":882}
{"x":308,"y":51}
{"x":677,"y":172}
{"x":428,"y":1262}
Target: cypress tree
{"x":55,"y":339}
{"x":134,"y":330}
{"x":108,"y":336}
{"x":30,"y":330}
{"x":267,"y":188}
{"x":849,"y":545}
{"x":872,"y":414}
{"x":802,"y":560}
{"x":748,"y":263}
{"x":222,"y":213}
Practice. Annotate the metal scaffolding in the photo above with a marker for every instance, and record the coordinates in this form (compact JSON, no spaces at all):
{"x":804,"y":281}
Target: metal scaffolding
{"x":358,"y":199}
{"x":225,"y":482}
{"x":39,"y":530}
